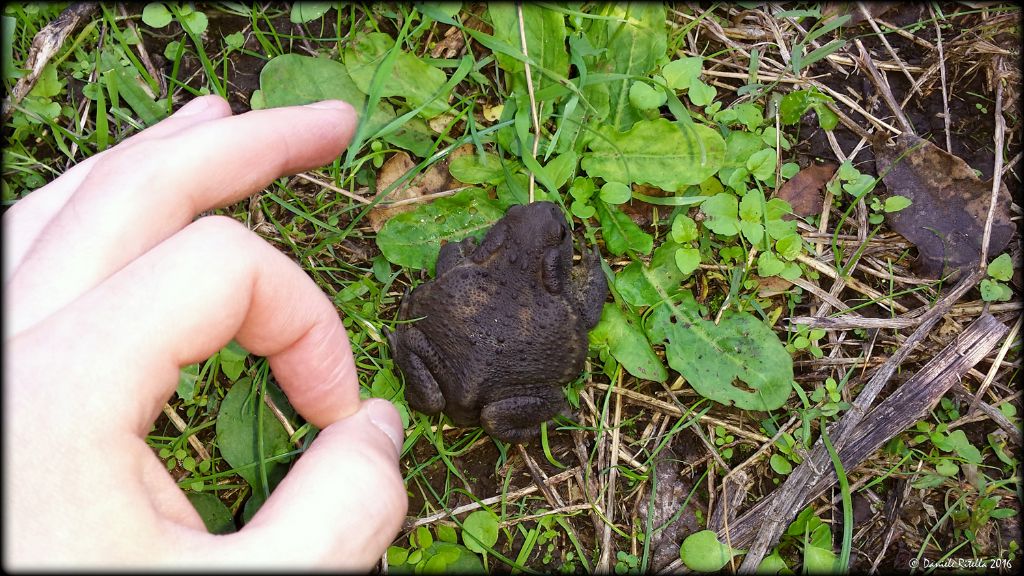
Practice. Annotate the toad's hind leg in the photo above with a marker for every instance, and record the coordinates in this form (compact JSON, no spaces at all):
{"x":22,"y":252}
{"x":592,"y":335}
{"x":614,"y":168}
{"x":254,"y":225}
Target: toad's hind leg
{"x":517,"y":419}
{"x":419,"y":361}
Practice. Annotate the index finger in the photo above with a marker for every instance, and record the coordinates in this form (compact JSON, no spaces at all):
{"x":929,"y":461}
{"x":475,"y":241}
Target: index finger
{"x":137,"y":197}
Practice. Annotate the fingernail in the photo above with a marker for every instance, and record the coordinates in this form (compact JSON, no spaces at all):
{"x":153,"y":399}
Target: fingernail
{"x":193,"y":107}
{"x":385,"y":417}
{"x":329,"y":105}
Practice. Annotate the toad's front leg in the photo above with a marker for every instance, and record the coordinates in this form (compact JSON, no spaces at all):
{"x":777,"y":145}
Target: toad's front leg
{"x":419,"y":361}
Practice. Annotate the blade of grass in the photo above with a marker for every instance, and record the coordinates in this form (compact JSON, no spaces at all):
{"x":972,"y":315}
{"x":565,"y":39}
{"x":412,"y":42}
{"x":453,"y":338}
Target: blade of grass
{"x":844,"y":488}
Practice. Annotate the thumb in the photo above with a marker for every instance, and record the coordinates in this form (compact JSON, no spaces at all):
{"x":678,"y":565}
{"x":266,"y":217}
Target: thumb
{"x":340,"y":505}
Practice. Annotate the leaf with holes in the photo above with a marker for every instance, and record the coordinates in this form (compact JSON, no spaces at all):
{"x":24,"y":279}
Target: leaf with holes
{"x":740,"y":361}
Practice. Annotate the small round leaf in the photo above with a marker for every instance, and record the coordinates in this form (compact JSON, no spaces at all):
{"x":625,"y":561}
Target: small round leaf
{"x":480,"y":531}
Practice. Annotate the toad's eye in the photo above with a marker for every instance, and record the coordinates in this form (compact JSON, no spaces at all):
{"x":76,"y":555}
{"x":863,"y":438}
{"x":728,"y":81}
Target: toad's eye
{"x":562,"y":232}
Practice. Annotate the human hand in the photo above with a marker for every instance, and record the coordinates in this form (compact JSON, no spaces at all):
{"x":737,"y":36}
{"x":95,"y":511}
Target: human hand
{"x":110,"y":287}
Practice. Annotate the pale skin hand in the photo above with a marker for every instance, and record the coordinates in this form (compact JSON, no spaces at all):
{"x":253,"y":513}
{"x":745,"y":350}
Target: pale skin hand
{"x":110,"y":287}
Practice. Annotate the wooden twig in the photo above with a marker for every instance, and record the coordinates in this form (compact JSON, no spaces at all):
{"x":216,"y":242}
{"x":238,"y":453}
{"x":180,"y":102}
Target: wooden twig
{"x":44,"y":46}
{"x":997,"y":181}
{"x":942,"y":77}
{"x":181,"y":425}
{"x":509,"y":497}
{"x":785,"y":502}
{"x":760,"y":527}
{"x":674,"y":410}
{"x":529,"y":90}
{"x":882,"y":86}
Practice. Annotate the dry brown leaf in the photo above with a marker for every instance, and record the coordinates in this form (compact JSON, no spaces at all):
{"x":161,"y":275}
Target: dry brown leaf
{"x":435,"y":178}
{"x":804,"y":191}
{"x":834,"y":9}
{"x":493,"y":113}
{"x":772,"y":286}
{"x":946,"y":219}
{"x":449,"y":46}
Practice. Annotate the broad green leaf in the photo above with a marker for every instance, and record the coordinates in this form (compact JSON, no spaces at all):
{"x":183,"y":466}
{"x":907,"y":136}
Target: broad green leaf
{"x":582,"y":188}
{"x":480,"y":531}
{"x":827,"y":119}
{"x":962,"y":447}
{"x":476,"y":169}
{"x":780,"y":464}
{"x":702,"y":552}
{"x":582,"y":210}
{"x":620,"y":332}
{"x":545,"y":42}
{"x":410,"y":78}
{"x":789,"y":246}
{"x":687,"y":260}
{"x":739,"y":146}
{"x":8,"y":25}
{"x":238,"y":428}
{"x":397,"y":556}
{"x":947,"y":468}
{"x":414,"y":238}
{"x":303,"y":12}
{"x":446,"y":533}
{"x":232,"y":360}
{"x":194,"y":21}
{"x":516,"y":190}
{"x":293,"y":79}
{"x":620,"y":233}
{"x":896,"y":203}
{"x":187,"y":378}
{"x":655,"y":152}
{"x":769,"y":265}
{"x":635,"y":38}
{"x":615,"y":193}
{"x":235,"y":40}
{"x":422,"y":538}
{"x":860,"y":185}
{"x":156,"y":15}
{"x":448,"y":558}
{"x":774,"y":210}
{"x":440,"y":11}
{"x":820,"y":560}
{"x":762,"y":164}
{"x":684,"y":229}
{"x":680,"y":73}
{"x":1001,"y":268}
{"x":750,"y":115}
{"x":750,"y":206}
{"x":773,"y":564}
{"x":645,"y":97}
{"x":560,"y":168}
{"x":720,"y":212}
{"x":793,"y":106}
{"x":642,"y":285}
{"x":713,"y":357}
{"x":751,"y":216}
{"x":701,"y":94}
{"x":215,"y":514}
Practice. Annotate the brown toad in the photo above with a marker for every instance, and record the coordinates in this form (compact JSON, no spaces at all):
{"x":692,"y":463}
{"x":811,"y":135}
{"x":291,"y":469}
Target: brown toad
{"x":502,"y":326}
